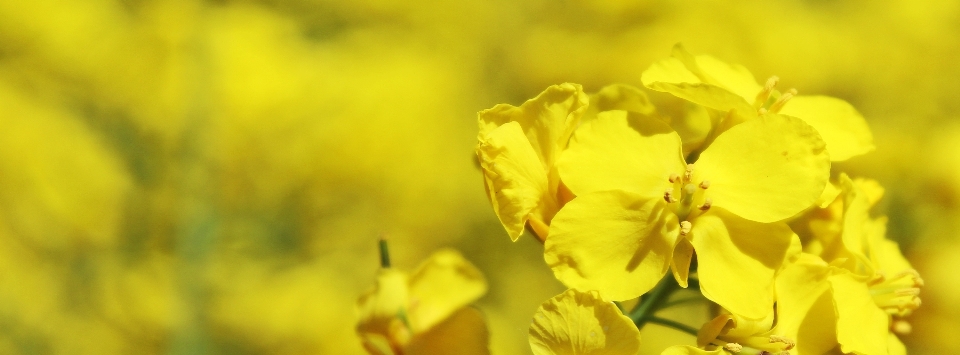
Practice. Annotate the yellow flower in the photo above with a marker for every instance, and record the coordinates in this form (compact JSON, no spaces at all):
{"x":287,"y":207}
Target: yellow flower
{"x":425,"y":313}
{"x":712,"y":83}
{"x":641,"y":209}
{"x":729,"y":333}
{"x":581,"y":323}
{"x":518,"y":149}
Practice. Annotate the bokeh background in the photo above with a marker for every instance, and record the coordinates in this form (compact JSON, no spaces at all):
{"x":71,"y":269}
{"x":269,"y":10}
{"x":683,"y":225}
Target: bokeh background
{"x":211,"y":177}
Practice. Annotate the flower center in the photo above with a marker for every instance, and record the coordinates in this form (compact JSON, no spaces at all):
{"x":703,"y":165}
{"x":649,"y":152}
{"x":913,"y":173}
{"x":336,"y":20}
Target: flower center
{"x":898,"y":295}
{"x":770,"y":100}
{"x":685,"y":194}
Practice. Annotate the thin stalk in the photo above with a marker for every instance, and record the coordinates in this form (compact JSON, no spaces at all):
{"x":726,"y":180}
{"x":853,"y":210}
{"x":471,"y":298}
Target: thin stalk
{"x":653,"y":301}
{"x":384,"y":253}
{"x":673,"y":324}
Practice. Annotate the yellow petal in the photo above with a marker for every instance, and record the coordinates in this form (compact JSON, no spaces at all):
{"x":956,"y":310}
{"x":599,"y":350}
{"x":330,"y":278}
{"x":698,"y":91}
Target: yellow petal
{"x":689,"y":350}
{"x":856,"y":208}
{"x":680,"y":265}
{"x":622,"y":150}
{"x":895,"y":346}
{"x":384,"y":303}
{"x":841,"y":126}
{"x":441,"y":285}
{"x":830,"y":193}
{"x":862,"y":327}
{"x":463,"y":333}
{"x":805,"y":307}
{"x":547,"y":120}
{"x":619,"y":97}
{"x":515,"y":180}
{"x":767,"y":169}
{"x":581,"y":323}
{"x":738,"y":259}
{"x":612,"y":241}
{"x":733,"y":77}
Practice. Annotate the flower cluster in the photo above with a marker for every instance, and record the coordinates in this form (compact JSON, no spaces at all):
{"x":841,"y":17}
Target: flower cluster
{"x":724,"y":185}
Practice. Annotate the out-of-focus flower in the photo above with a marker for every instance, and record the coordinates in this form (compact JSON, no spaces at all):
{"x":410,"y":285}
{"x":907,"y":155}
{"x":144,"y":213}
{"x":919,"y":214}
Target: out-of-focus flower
{"x":640,"y":209}
{"x":582,"y":323}
{"x":426,"y":312}
{"x":710,"y":82}
{"x":518,"y":150}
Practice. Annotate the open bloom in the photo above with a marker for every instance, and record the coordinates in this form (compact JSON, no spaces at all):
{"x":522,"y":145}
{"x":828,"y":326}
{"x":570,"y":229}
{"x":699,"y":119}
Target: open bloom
{"x":426,"y":312}
{"x":518,"y":148}
{"x":582,"y":323}
{"x":641,"y":209}
{"x":712,"y":83}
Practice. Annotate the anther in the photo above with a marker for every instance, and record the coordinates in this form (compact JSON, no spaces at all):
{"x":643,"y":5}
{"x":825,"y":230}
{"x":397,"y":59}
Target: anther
{"x":685,"y":227}
{"x":705,"y":184}
{"x":787,"y":342}
{"x":674,"y":178}
{"x":688,"y":173}
{"x":733,"y":347}
{"x":783,"y":100}
{"x":901,"y":327}
{"x":767,"y":90}
{"x":707,"y":202}
{"x":668,"y":196}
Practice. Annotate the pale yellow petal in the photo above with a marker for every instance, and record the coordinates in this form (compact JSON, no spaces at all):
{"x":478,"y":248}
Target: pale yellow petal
{"x":612,"y":241}
{"x":547,"y":120}
{"x":862,"y":327}
{"x":856,"y":208}
{"x":805,"y":307}
{"x":622,"y":150}
{"x":581,"y":323}
{"x":738,"y":259}
{"x":841,"y":126}
{"x":733,"y":77}
{"x":767,"y":169}
{"x":441,"y":285}
{"x":463,"y":333}
{"x":515,"y":180}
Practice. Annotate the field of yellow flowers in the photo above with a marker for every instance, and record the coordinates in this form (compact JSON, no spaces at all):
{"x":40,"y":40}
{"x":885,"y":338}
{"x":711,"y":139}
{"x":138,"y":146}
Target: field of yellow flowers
{"x":213,"y":177}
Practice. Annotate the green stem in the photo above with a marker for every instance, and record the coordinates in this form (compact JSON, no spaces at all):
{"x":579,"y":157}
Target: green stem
{"x":384,"y":253}
{"x":681,"y":301}
{"x":653,"y":301}
{"x":673,"y":324}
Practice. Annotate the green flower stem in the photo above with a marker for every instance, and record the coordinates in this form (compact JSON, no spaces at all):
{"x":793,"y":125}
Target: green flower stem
{"x":682,"y":301}
{"x":673,"y":324}
{"x":653,"y":301}
{"x":384,"y":253}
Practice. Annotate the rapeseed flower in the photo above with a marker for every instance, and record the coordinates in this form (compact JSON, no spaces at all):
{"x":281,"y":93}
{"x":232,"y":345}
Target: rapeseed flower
{"x":733,"y":90}
{"x":640,"y":208}
{"x":425,"y":312}
{"x":518,"y":149}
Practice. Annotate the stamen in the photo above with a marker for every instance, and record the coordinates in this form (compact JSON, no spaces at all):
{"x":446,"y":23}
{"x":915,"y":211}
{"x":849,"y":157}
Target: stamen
{"x":783,"y":100}
{"x":685,"y":227}
{"x":705,"y":184}
{"x":707,"y":202}
{"x":901,"y":327}
{"x":674,"y":178}
{"x":688,"y":173}
{"x":668,"y":196}
{"x":764,"y":94}
{"x":787,"y":342}
{"x":733,"y":347}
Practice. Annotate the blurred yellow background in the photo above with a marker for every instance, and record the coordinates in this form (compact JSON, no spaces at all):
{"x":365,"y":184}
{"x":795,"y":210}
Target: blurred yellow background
{"x":185,"y":177}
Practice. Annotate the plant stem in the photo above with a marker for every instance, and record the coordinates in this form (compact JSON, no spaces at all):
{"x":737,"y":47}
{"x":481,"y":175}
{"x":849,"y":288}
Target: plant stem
{"x":673,"y":324}
{"x":653,"y":301}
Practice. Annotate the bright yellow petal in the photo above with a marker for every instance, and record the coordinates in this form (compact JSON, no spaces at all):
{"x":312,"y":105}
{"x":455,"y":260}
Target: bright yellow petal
{"x":581,"y":323}
{"x":441,"y":285}
{"x":895,"y":346}
{"x":612,"y":241}
{"x":738,"y":259}
{"x":841,"y":126}
{"x":805,"y":307}
{"x":515,"y":180}
{"x":380,"y":308}
{"x":767,"y":169}
{"x":856,"y":208}
{"x":463,"y":333}
{"x":735,"y":78}
{"x":862,"y":327}
{"x":689,"y":350}
{"x":680,"y":265}
{"x":622,"y":151}
{"x":547,"y":120}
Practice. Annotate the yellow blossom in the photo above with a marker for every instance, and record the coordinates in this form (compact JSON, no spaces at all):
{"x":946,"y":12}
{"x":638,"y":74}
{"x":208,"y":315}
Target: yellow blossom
{"x":641,"y":209}
{"x":732,"y":89}
{"x":518,"y":149}
{"x":426,"y":312}
{"x":582,"y":323}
